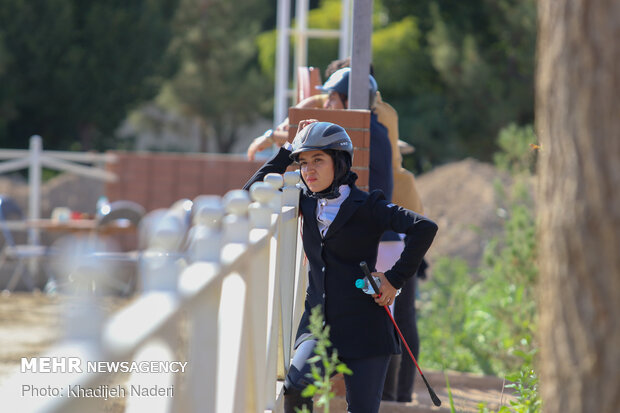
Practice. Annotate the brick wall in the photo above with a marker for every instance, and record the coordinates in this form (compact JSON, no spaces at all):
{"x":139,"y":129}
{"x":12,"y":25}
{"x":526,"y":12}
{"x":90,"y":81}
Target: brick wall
{"x":357,"y":125}
{"x":157,"y":180}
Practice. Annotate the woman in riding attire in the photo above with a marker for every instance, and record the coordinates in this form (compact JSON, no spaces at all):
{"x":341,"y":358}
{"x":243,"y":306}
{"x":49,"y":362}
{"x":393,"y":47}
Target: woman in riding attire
{"x":342,"y":227}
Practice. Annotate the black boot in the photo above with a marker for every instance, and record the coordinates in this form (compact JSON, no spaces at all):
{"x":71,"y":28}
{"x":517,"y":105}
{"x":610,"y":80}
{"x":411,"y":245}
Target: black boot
{"x":293,"y":399}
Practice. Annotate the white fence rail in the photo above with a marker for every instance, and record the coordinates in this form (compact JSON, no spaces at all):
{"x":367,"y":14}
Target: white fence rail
{"x":223,"y":295}
{"x":35,"y":158}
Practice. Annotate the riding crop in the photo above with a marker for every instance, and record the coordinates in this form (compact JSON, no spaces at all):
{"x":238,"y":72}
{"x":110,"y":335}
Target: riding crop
{"x":366,"y":271}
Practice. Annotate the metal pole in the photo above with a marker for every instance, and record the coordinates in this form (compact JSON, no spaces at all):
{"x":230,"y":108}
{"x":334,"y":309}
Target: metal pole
{"x":301,"y":38}
{"x":34,"y":198}
{"x":361,"y":55}
{"x":344,"y":48}
{"x":280,"y":111}
{"x":34,"y":186}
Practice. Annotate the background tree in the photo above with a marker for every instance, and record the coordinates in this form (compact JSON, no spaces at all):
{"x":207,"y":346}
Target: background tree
{"x":71,"y":69}
{"x":579,"y":127}
{"x":477,"y":62}
{"x":220,"y":81}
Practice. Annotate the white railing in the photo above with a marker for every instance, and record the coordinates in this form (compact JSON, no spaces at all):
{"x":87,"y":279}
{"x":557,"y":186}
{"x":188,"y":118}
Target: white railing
{"x":36,"y":158}
{"x":224,"y":295}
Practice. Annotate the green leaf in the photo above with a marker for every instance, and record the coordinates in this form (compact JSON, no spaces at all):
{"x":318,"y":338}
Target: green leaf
{"x":342,"y":368}
{"x":314,"y":359}
{"x":309,"y":391}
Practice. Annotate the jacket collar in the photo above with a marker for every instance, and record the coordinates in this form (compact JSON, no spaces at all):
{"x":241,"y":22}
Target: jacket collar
{"x":347,"y":209}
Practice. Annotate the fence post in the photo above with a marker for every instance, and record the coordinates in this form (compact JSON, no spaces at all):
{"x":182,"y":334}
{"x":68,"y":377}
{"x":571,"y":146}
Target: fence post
{"x":205,"y":243}
{"x":34,"y":203}
{"x":275,"y":305}
{"x":288,"y":252}
{"x":234,"y":386}
{"x":205,"y":236}
{"x":259,"y":279}
{"x":82,"y":274}
{"x":159,"y":267}
{"x":236,"y":223}
{"x":276,"y":181}
{"x":290,"y":192}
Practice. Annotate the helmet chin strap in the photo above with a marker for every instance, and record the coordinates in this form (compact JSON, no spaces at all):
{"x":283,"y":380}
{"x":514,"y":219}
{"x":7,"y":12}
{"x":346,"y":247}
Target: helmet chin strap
{"x":332,"y":192}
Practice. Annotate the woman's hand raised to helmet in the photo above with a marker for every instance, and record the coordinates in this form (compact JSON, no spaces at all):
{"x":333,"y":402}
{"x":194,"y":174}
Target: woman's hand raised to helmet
{"x":303,"y":123}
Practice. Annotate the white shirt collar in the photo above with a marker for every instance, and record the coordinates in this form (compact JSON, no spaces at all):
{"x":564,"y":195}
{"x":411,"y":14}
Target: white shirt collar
{"x":327,"y":209}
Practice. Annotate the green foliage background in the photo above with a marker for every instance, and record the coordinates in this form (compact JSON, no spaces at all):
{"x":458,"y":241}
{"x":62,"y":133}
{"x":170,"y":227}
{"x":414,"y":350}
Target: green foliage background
{"x":219,"y":80}
{"x":457,"y":72}
{"x":71,"y":70}
{"x":484,"y":320}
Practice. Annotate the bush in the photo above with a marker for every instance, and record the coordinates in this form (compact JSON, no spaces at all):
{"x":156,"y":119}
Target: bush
{"x":517,"y":145}
{"x":484,"y":320}
{"x":327,"y":360}
{"x":485,"y":323}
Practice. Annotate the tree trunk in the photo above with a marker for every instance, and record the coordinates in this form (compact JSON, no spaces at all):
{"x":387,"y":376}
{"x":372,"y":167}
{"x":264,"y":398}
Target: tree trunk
{"x":226,"y":134}
{"x":578,"y":122}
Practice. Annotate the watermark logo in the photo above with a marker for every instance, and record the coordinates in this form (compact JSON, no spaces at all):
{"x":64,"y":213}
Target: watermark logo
{"x":75,"y":365}
{"x":51,"y":365}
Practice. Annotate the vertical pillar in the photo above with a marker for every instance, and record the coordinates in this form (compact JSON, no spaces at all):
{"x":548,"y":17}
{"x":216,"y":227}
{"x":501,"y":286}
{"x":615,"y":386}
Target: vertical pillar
{"x":301,"y":38}
{"x":160,"y":264}
{"x":260,"y":282}
{"x":236,"y":224}
{"x":34,"y":186}
{"x":82,"y":274}
{"x":287,"y":259}
{"x":360,"y":55}
{"x":205,"y":237}
{"x":205,"y":242}
{"x":280,"y":109}
{"x":34,"y":199}
{"x":344,"y":48}
{"x":276,"y":181}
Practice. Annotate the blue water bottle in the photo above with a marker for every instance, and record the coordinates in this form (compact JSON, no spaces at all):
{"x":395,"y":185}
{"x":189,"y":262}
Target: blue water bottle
{"x":364,"y":285}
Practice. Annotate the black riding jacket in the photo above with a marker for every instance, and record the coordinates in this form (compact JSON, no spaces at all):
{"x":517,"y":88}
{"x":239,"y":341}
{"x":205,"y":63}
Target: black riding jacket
{"x":359,"y":327}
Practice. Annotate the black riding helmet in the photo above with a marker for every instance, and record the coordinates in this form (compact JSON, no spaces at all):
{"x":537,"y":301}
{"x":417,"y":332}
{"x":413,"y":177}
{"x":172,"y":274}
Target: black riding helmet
{"x":333,"y":140}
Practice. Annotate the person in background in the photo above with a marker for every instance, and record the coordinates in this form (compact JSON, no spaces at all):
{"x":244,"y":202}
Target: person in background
{"x":380,"y":172}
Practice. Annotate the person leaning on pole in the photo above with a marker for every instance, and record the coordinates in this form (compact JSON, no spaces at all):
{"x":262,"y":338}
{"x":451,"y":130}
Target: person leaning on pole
{"x":342,"y":227}
{"x":401,"y":373}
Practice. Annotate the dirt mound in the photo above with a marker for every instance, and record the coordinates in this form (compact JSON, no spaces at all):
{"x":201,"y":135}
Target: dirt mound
{"x":461,"y":199}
